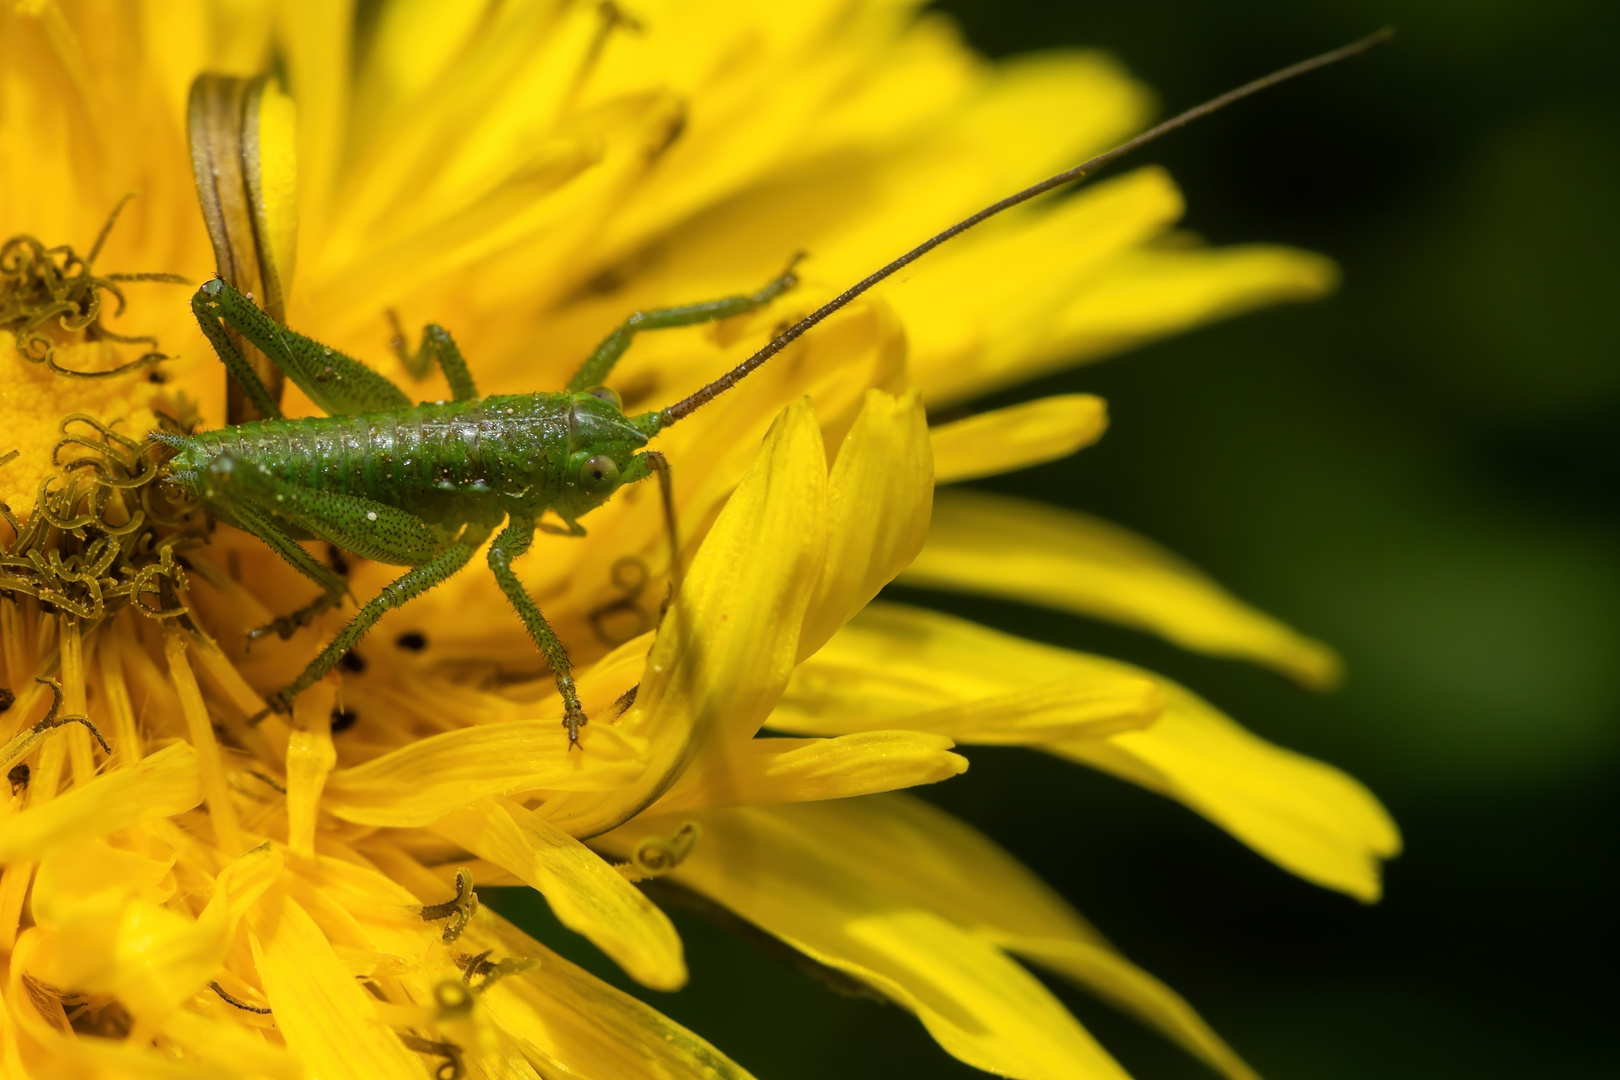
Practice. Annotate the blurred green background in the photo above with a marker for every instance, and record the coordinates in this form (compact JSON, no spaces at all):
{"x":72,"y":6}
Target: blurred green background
{"x":1422,"y":470}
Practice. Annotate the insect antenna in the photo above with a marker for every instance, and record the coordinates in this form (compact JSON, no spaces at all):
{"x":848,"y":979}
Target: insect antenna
{"x":684,"y":408}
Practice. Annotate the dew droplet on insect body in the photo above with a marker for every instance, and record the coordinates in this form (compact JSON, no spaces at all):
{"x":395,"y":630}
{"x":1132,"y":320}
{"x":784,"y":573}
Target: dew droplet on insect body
{"x":371,"y":515}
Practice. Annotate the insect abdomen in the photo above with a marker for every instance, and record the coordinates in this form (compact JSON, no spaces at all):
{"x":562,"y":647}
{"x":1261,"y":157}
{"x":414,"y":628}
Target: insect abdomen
{"x":438,"y":460}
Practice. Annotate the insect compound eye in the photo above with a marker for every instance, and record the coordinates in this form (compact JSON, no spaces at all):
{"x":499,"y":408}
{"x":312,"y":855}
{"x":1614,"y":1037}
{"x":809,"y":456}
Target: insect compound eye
{"x":599,"y":475}
{"x":607,"y":394}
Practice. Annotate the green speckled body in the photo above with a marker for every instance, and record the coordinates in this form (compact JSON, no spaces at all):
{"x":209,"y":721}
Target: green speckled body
{"x":450,"y":463}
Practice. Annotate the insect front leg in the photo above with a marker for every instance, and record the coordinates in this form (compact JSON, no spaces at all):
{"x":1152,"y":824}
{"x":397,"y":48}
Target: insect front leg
{"x":236,"y":364}
{"x":339,"y":384}
{"x":511,"y":542}
{"x":437,"y":345}
{"x":602,"y":359}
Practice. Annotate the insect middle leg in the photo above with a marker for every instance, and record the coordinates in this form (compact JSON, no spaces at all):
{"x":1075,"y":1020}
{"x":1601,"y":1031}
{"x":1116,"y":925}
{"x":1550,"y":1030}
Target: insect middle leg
{"x":511,"y":542}
{"x":414,"y":582}
{"x":601,"y":361}
{"x":437,"y":345}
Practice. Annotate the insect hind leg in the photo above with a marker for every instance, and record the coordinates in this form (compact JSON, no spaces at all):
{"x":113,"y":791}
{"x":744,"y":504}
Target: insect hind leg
{"x":370,"y":529}
{"x":601,"y":361}
{"x":414,"y":582}
{"x":339,"y":384}
{"x":511,"y":542}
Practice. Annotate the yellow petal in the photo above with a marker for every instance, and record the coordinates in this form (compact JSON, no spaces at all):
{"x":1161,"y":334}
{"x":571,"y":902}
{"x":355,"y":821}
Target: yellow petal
{"x":314,"y":39}
{"x":1308,"y":817}
{"x":1153,"y":292}
{"x":897,"y":667}
{"x":151,"y":957}
{"x":1001,"y":546}
{"x":158,"y":786}
{"x":243,"y":1051}
{"x":72,"y":881}
{"x":310,"y":757}
{"x":1017,"y":437}
{"x":427,"y":779}
{"x":727,"y":644}
{"x":981,"y":1006}
{"x":571,"y":1023}
{"x":1032,"y":116}
{"x":270,"y":167}
{"x":329,"y":1023}
{"x":49,"y":1049}
{"x":763,"y":771}
{"x":10,"y":1053}
{"x":1127,"y":986}
{"x":924,"y":856}
{"x":413,"y":42}
{"x":587,"y":895}
{"x":200,"y":731}
{"x":978,"y":312}
{"x":878,"y":500}
{"x":923,"y":76}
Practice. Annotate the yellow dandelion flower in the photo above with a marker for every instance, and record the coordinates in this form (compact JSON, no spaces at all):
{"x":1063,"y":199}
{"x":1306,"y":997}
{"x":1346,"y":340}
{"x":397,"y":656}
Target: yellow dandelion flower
{"x":188,"y":889}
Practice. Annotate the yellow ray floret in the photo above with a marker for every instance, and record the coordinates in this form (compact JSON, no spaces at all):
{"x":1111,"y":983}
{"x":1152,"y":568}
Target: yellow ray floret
{"x":148,"y":956}
{"x":919,"y":855}
{"x":1002,"y":546}
{"x":895,"y":668}
{"x":1309,"y":817}
{"x":1017,"y":436}
{"x":558,"y":1013}
{"x":328,"y":1021}
{"x":427,"y":779}
{"x":310,"y":757}
{"x":586,"y":894}
{"x":727,"y":646}
{"x":764,"y":771}
{"x":767,"y":585}
{"x":159,"y":786}
{"x":980,"y":1005}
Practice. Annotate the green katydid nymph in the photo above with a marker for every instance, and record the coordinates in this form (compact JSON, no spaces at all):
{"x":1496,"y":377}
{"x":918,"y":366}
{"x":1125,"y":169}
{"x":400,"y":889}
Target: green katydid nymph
{"x":425,"y":486}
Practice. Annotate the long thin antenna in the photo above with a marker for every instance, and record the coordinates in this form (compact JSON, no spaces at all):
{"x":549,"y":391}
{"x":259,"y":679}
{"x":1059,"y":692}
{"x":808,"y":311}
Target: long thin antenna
{"x":686,"y":407}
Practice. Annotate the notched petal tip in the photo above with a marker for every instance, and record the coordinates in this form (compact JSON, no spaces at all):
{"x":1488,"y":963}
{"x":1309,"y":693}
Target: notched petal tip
{"x":1017,"y":437}
{"x":992,"y":544}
